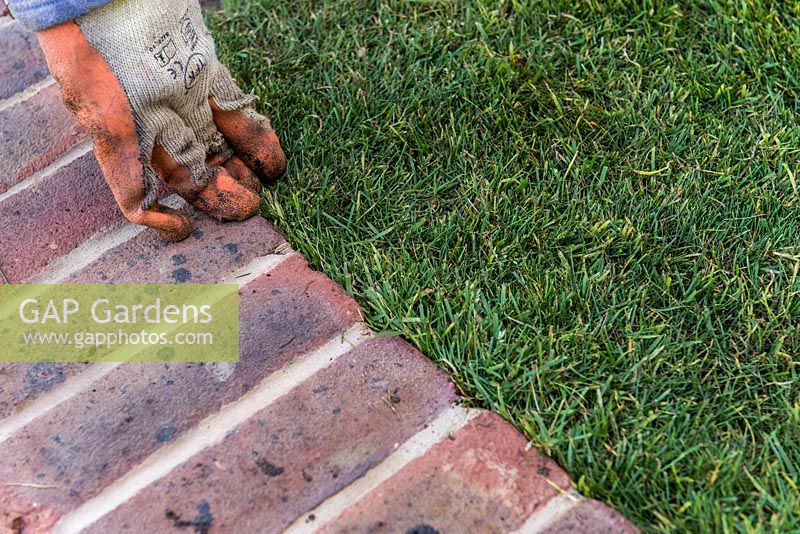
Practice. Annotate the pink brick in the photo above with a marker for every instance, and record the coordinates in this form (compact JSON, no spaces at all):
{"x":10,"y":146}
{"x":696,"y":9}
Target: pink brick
{"x":212,"y":251}
{"x":481,"y":480}
{"x":305,"y":447}
{"x":98,"y":435}
{"x":33,"y":134}
{"x":50,"y":219}
{"x":591,"y":517}
{"x":23,"y":63}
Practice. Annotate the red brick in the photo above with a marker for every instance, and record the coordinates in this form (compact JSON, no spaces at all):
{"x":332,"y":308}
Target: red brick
{"x":591,"y":517}
{"x":481,"y":480}
{"x":23,"y":62}
{"x":98,"y":435}
{"x":33,"y":134}
{"x":305,"y":447}
{"x":50,"y":219}
{"x":21,"y":383}
{"x":212,"y":251}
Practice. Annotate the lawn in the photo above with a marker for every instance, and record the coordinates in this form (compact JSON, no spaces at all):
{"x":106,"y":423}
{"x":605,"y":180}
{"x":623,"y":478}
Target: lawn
{"x":586,"y":212}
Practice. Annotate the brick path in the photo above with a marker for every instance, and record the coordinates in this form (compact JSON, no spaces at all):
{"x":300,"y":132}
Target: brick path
{"x":322,"y":425}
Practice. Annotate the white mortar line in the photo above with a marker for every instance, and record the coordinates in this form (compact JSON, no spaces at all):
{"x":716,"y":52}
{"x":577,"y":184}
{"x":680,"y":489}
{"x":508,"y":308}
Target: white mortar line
{"x":5,"y":21}
{"x":552,"y":511}
{"x":260,"y":266}
{"x":222,"y":371}
{"x":86,"y":253}
{"x":65,"y":159}
{"x":210,"y":431}
{"x":54,"y":397}
{"x":93,"y":248}
{"x":446,"y":424}
{"x":27,"y":94}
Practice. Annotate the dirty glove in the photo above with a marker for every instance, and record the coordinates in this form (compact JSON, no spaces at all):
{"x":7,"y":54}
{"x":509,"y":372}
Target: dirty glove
{"x":143,"y":77}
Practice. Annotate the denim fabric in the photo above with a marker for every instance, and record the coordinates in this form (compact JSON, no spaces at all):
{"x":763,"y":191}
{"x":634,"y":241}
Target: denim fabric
{"x":41,"y":14}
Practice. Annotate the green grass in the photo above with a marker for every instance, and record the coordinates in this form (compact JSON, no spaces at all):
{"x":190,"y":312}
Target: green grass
{"x":586,"y":212}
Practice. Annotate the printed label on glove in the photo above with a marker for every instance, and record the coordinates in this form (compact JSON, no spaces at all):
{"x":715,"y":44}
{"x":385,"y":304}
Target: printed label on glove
{"x":165,"y":50}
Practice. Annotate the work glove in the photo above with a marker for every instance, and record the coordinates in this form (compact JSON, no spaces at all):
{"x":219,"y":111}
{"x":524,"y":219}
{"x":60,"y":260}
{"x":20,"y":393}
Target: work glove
{"x":144,"y":79}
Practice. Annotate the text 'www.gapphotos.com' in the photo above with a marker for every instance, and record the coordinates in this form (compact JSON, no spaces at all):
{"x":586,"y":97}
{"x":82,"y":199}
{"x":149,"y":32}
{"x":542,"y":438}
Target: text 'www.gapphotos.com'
{"x":109,"y":340}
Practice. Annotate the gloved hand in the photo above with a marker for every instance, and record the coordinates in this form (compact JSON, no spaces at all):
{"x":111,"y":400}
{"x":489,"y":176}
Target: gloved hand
{"x":143,"y":77}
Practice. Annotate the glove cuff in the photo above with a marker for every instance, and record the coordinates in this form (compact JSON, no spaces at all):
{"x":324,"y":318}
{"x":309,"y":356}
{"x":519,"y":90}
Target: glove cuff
{"x":39,"y":15}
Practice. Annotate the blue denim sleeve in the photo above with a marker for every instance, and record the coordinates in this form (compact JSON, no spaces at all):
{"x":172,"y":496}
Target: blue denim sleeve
{"x":41,"y":14}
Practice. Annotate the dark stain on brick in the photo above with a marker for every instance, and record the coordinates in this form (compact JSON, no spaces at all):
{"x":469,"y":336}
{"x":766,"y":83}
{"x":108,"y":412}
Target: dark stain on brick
{"x":422,"y":529}
{"x":201,"y":522}
{"x":543,"y":470}
{"x":394,"y":397}
{"x":165,"y":434}
{"x":181,"y":275}
{"x":42,"y":377}
{"x":232,"y":247}
{"x":178,"y":259}
{"x":269,"y":469}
